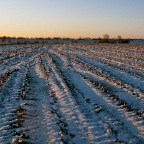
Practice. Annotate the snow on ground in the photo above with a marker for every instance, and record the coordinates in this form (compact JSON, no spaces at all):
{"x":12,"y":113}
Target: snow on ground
{"x":72,"y":94}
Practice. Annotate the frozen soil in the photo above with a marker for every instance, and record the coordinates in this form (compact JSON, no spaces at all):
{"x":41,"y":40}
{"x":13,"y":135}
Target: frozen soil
{"x":72,"y":94}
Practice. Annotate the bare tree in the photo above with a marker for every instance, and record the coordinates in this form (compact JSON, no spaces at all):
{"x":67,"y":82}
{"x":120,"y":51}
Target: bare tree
{"x":106,"y":36}
{"x":106,"y":39}
{"x":119,"y":39}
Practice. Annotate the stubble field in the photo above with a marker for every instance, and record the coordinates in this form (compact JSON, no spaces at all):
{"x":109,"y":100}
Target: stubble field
{"x":72,"y":94}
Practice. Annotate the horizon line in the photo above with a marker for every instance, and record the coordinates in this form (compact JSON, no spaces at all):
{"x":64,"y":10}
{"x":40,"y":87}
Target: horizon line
{"x":58,"y":37}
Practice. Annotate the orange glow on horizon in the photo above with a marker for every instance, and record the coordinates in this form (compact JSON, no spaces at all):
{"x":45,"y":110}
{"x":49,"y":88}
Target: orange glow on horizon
{"x":73,"y":19}
{"x":34,"y":34}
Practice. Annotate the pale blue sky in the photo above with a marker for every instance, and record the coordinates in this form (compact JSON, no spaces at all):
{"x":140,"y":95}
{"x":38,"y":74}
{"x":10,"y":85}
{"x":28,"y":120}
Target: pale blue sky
{"x":72,"y":18}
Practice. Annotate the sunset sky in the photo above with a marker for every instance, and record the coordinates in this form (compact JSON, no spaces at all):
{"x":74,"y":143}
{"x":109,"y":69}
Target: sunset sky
{"x":72,"y":18}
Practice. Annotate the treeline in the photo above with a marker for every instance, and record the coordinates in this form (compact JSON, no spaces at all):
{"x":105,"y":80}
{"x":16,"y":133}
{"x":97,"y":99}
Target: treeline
{"x":105,"y":39}
{"x":49,"y":38}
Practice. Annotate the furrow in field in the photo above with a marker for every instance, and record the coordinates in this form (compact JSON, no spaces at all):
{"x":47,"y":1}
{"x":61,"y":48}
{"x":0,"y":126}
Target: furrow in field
{"x":119,"y":80}
{"x":9,"y":112}
{"x":104,"y":75}
{"x":15,"y":61}
{"x":135,"y":116}
{"x":71,"y":93}
{"x":40,"y":123}
{"x":122,"y":94}
{"x":70,"y":118}
{"x":114,"y":54}
{"x":122,"y":120}
{"x":131,"y":57}
{"x":136,"y":83}
{"x":93,"y":127}
{"x":86,"y":108}
{"x":7,"y":56}
{"x":122,"y":68}
{"x":94,"y":55}
{"x":18,"y":65}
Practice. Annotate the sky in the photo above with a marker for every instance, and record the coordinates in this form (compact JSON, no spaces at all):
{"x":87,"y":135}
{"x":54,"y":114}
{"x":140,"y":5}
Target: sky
{"x":72,"y":18}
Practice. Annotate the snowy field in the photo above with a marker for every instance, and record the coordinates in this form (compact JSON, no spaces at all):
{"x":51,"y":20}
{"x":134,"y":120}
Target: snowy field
{"x":72,"y":94}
